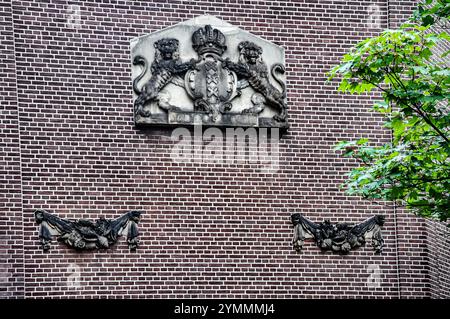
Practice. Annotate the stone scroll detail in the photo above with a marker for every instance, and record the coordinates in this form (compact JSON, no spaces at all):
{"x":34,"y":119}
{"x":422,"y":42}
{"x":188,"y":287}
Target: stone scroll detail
{"x":83,"y":234}
{"x":340,"y":237}
{"x":225,"y":86}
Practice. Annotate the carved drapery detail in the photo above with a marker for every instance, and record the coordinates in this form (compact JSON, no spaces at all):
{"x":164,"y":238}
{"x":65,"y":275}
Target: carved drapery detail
{"x":84,"y":234}
{"x":340,"y":237}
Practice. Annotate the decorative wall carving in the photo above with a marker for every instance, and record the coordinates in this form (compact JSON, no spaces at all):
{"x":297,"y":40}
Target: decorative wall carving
{"x":208,"y":72}
{"x":340,"y":237}
{"x":253,"y":70}
{"x":164,"y":68}
{"x":84,"y":234}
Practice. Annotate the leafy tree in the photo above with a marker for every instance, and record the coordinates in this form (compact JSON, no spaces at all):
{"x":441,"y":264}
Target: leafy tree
{"x":409,"y":69}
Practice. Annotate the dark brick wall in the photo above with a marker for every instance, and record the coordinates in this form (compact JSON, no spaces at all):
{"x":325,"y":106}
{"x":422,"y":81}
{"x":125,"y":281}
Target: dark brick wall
{"x":399,"y":11}
{"x":11,"y":235}
{"x":215,"y":230}
{"x":439,"y":259}
{"x":413,"y":253}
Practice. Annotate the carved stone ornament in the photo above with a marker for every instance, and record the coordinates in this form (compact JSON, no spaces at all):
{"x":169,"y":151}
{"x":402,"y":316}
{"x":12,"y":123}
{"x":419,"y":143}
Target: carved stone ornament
{"x":206,"y":71}
{"x":84,"y":234}
{"x":340,"y":237}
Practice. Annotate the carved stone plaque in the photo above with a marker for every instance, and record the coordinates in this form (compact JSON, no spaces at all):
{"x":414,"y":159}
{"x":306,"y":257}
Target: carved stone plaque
{"x":83,"y":234}
{"x":206,"y":71}
{"x":340,"y":237}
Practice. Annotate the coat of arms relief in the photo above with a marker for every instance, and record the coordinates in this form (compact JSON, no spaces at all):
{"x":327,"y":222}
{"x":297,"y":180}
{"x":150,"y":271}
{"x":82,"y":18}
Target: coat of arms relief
{"x":205,"y":71}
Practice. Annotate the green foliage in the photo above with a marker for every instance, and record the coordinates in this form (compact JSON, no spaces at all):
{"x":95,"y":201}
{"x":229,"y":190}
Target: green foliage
{"x":414,"y":168}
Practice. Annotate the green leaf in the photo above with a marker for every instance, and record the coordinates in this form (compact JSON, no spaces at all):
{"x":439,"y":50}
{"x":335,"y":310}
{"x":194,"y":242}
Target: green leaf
{"x":362,"y":141}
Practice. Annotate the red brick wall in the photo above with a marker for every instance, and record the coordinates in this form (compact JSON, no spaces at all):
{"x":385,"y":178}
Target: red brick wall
{"x":216,"y":230}
{"x":11,"y":236}
{"x":439,"y":259}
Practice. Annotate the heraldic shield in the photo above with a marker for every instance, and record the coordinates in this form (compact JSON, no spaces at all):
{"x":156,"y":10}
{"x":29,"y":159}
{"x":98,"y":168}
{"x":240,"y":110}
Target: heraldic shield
{"x":210,"y":84}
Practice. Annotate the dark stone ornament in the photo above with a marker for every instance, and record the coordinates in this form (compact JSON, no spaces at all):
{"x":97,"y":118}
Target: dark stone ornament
{"x":340,"y":237}
{"x":84,"y":234}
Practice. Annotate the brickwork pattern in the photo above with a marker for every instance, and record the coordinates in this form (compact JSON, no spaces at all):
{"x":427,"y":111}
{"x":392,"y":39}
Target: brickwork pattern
{"x":11,"y":241}
{"x":439,"y":259}
{"x":209,"y":229}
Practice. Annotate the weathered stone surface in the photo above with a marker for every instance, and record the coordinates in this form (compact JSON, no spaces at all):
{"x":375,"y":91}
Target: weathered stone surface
{"x":83,"y":234}
{"x":207,"y":70}
{"x":228,"y":119}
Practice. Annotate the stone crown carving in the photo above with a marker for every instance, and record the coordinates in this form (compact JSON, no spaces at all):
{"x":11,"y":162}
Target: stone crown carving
{"x":208,"y":40}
